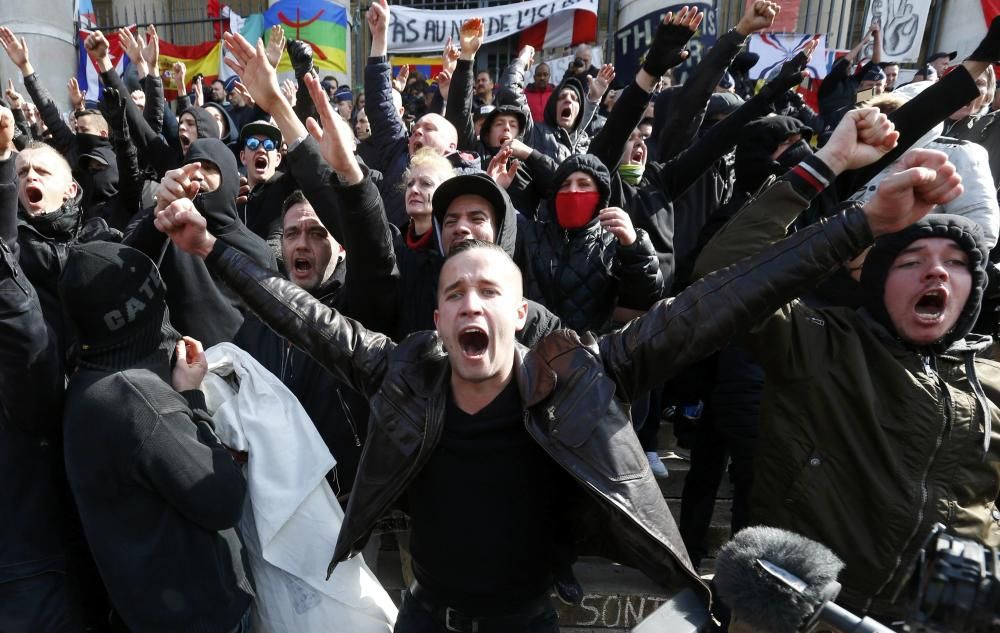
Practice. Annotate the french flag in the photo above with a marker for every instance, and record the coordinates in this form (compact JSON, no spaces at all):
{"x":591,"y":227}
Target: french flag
{"x":86,"y":71}
{"x":566,"y":28}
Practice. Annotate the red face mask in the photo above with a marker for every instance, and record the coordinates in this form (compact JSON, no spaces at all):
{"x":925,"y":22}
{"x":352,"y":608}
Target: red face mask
{"x":574,"y":209}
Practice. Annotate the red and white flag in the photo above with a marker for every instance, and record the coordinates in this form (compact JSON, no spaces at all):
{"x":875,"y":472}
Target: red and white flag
{"x":566,"y":28}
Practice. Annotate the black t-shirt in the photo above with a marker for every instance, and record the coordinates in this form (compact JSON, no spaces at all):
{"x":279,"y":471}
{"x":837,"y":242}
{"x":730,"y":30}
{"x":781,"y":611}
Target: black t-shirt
{"x":485,"y":511}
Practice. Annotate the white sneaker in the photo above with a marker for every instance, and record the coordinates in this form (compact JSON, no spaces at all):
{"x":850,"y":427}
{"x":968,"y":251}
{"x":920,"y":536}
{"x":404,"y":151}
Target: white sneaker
{"x":656,"y":465}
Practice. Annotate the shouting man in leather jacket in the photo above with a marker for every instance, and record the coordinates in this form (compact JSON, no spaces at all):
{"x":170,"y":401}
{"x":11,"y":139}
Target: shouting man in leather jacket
{"x":493,"y":447}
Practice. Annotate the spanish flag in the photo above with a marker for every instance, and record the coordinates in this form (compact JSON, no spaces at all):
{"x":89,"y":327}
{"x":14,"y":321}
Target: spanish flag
{"x":201,"y":59}
{"x":319,"y":23}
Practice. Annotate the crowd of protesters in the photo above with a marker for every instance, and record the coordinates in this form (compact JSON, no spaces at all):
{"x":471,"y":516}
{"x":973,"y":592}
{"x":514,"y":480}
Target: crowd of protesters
{"x":483,"y":293}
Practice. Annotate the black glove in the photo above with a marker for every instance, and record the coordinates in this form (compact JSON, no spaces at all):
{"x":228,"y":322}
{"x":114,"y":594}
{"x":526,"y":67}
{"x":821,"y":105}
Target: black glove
{"x":989,"y":49}
{"x":113,"y":104}
{"x":789,"y":76}
{"x":301,"y":56}
{"x":665,"y":52}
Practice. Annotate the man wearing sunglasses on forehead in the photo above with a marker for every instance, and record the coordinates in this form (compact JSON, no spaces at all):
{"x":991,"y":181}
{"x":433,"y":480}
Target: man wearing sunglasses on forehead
{"x":260,"y":155}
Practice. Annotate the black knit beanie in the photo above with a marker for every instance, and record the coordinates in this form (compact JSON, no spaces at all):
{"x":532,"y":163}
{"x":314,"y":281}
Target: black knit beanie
{"x":113,"y":294}
{"x":964,"y":232}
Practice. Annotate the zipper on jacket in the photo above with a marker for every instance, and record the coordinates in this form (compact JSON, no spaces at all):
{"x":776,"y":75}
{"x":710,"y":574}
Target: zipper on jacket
{"x":930,"y":364}
{"x":350,"y":418}
{"x":286,"y":361}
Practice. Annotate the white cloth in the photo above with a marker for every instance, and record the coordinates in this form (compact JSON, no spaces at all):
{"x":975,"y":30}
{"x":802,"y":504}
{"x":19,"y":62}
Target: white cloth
{"x":291,"y":524}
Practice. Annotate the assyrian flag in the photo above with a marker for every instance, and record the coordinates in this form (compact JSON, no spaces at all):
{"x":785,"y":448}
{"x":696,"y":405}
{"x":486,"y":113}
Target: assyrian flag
{"x":566,"y":28}
{"x":775,"y":49}
{"x":86,"y":70}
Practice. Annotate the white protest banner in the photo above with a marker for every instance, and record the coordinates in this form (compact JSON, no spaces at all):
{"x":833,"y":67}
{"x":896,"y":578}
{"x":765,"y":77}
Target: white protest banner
{"x":774,"y":49}
{"x":424,"y":30}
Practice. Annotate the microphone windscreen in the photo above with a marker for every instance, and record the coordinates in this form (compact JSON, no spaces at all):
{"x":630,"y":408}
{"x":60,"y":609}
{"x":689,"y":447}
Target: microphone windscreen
{"x":758,"y":598}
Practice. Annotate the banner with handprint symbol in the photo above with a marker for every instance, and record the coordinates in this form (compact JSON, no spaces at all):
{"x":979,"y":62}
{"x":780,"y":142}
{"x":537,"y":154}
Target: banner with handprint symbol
{"x":902,"y":24}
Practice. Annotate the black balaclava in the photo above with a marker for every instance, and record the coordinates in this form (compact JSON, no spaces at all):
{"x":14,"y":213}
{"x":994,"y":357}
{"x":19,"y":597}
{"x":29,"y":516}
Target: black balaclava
{"x":204,"y":122}
{"x":758,"y":141}
{"x":964,"y":232}
{"x":99,"y":186}
{"x":218,"y":206}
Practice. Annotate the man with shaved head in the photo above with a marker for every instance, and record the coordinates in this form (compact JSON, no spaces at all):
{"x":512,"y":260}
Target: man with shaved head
{"x":396,"y":146}
{"x":533,"y":447}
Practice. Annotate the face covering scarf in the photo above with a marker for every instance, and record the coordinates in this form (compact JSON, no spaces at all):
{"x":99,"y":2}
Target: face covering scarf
{"x":631,"y":174}
{"x":574,"y":209}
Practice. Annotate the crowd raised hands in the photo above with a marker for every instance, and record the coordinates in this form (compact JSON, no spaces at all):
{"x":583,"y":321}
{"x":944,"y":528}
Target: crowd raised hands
{"x":542,"y":245}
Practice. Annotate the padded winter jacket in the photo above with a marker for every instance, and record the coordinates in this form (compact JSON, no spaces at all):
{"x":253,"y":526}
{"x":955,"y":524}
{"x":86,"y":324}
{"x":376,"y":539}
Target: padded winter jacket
{"x":865,"y":442}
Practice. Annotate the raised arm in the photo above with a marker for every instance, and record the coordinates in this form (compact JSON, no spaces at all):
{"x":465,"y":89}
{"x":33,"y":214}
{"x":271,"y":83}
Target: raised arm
{"x":862,"y":137}
{"x":153,"y":150}
{"x":63,"y":138}
{"x":388,"y":133}
{"x":687,"y":109}
{"x":666,"y":52}
{"x":458,"y":110}
{"x":346,"y":348}
{"x":128,"y":200}
{"x":921,"y":113}
{"x":683,"y":170}
{"x":678,"y":332}
{"x":372,"y":278}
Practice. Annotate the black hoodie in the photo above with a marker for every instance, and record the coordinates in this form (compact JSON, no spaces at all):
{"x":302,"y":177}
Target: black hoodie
{"x":582,"y":274}
{"x":555,"y":142}
{"x":964,"y":232}
{"x":201,"y":305}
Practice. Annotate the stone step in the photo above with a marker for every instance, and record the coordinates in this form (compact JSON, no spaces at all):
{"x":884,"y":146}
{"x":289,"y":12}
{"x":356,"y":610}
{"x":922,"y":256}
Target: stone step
{"x":616,"y":598}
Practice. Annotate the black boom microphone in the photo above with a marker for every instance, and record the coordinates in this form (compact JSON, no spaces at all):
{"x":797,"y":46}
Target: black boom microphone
{"x":775,"y":581}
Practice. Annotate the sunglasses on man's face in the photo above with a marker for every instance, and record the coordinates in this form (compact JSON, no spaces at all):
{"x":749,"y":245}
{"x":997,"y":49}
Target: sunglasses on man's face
{"x":254,"y":143}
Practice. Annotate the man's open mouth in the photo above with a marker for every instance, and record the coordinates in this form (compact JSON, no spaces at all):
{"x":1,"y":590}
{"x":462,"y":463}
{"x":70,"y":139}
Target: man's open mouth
{"x":302,"y":266}
{"x":417,"y":145}
{"x":473,"y":341}
{"x":638,"y":153}
{"x":931,"y":304}
{"x":566,"y":113}
{"x":260,"y":163}
{"x":34,"y":194}
{"x":185,"y":142}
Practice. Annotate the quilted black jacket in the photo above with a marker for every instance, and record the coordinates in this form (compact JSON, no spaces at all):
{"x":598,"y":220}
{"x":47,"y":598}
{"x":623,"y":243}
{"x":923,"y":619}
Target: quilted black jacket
{"x":582,"y":274}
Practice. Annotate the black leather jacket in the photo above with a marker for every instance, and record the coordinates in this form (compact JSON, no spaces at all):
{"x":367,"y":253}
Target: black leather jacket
{"x":562,"y":381}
